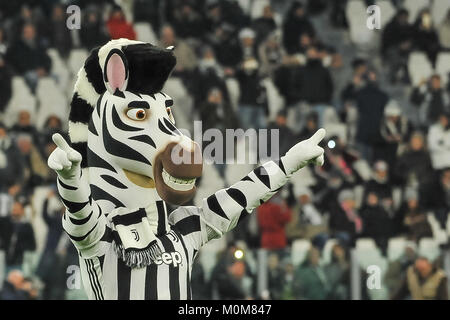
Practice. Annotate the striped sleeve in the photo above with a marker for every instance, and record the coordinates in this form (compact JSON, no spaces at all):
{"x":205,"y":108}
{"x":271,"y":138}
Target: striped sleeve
{"x":224,"y":209}
{"x":83,"y":220}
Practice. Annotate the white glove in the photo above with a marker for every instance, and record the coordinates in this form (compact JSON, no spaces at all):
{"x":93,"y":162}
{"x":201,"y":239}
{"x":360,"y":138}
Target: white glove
{"x":304,"y":153}
{"x":64,"y":159}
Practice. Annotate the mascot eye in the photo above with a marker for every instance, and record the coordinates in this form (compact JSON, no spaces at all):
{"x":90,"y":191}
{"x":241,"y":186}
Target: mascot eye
{"x":137,"y":114}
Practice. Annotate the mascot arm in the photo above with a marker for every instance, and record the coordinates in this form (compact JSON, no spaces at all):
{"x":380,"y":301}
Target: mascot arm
{"x":82,"y":220}
{"x":223,"y":210}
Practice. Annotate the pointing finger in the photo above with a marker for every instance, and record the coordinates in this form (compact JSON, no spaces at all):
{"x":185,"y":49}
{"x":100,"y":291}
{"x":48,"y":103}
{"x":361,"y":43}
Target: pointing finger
{"x":61,"y":142}
{"x":318,"y":136}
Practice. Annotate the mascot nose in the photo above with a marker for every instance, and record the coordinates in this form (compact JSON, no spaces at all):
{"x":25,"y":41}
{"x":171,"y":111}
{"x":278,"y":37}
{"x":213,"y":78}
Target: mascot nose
{"x":183,"y":159}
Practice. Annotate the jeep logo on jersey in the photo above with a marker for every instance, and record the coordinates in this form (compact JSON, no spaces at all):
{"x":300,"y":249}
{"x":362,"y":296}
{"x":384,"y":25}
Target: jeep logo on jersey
{"x":170,"y":258}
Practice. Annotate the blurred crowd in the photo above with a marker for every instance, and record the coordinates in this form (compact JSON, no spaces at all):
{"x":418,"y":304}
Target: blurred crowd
{"x":286,"y":65}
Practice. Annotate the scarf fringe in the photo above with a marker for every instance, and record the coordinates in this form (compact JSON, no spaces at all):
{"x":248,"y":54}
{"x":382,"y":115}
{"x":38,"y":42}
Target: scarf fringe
{"x":138,"y":258}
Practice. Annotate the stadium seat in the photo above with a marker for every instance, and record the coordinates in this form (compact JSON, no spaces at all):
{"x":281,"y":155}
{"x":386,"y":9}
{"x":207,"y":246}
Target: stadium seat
{"x":145,"y":33}
{"x":182,"y":110}
{"x":396,"y":248}
{"x":439,"y":10}
{"x":443,"y":66}
{"x":299,"y":251}
{"x":419,"y":67}
{"x":257,"y":8}
{"x":21,"y":99}
{"x":274,"y":100}
{"x":51,"y":101}
{"x":414,"y":7}
{"x":367,"y":252}
{"x":429,"y":248}
{"x":76,"y":60}
{"x":387,"y":11}
{"x":439,"y":235}
{"x":233,"y":91}
{"x":327,"y":251}
{"x":59,"y":69}
{"x":360,"y":35}
{"x":245,"y":5}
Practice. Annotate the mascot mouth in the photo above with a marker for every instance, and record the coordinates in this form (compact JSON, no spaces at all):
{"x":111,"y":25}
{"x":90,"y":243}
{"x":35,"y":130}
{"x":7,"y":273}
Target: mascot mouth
{"x":140,"y":179}
{"x":175,"y":183}
{"x":178,"y":184}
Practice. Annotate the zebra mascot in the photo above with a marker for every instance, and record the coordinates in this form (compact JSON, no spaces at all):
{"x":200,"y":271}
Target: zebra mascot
{"x":126,"y":159}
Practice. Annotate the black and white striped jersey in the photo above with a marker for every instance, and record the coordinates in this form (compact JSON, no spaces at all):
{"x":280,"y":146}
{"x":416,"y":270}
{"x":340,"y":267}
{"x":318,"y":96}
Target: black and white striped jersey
{"x":105,"y":276}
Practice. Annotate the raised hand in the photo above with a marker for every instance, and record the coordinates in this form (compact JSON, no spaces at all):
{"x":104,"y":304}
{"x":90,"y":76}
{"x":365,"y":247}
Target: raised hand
{"x":305,"y":152}
{"x":64,"y":159}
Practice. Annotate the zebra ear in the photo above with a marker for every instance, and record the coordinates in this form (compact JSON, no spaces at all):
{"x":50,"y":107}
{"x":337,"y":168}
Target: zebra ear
{"x":115,"y":71}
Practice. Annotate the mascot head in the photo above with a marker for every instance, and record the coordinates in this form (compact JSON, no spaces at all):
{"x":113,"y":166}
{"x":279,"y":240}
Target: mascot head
{"x":122,"y":124}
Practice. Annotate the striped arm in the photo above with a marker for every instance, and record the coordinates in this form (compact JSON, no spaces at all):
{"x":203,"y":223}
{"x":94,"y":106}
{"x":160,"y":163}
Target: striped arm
{"x":223,"y":210}
{"x":83,"y":220}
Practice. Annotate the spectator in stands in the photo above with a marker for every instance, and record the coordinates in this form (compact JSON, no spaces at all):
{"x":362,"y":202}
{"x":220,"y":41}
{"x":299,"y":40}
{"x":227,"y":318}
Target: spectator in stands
{"x":425,"y":37}
{"x":28,"y":58}
{"x":207,"y":75}
{"x":264,"y":25}
{"x":414,"y":167}
{"x":432,"y":100}
{"x":6,"y":81}
{"x":93,"y":33}
{"x":395,"y":131}
{"x":316,"y":86}
{"x":16,"y":287}
{"x":272,"y":218}
{"x":295,"y":24}
{"x":444,"y":32}
{"x":118,"y":26}
{"x":201,"y":289}
{"x":327,"y":189}
{"x":310,"y":281}
{"x":52,"y":211}
{"x":287,"y":79}
{"x":412,"y":218}
{"x":11,"y":170}
{"x":341,"y":159}
{"x":338,"y":273}
{"x":345,"y":221}
{"x":187,"y":22}
{"x":228,"y":277}
{"x":437,"y":197}
{"x":253,"y":100}
{"x":370,"y":103}
{"x":423,"y":281}
{"x":186,"y":58}
{"x":59,"y":35}
{"x":24,"y":125}
{"x":397,"y":268}
{"x":377,"y":222}
{"x":439,"y":142}
{"x":396,"y":44}
{"x":148,"y":11}
{"x":276,"y":277}
{"x":348,"y":94}
{"x":16,"y":234}
{"x":34,"y":167}
{"x":286,"y":137}
{"x":270,"y":54}
{"x":216,"y":112}
{"x":226,"y":46}
{"x":248,"y":45}
{"x":380,"y":185}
